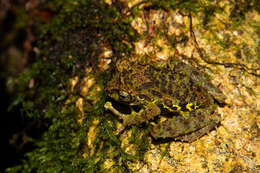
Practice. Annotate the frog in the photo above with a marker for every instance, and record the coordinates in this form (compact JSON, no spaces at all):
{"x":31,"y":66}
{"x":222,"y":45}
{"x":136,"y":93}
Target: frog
{"x":177,"y":91}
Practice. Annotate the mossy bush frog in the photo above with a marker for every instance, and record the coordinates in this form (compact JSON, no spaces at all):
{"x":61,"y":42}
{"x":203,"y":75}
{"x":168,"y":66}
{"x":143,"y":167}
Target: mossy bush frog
{"x":181,"y":93}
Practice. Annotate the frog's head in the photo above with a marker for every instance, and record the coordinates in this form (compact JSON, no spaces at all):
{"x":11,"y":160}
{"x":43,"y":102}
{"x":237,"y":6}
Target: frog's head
{"x":122,"y":94}
{"x":123,"y":85}
{"x":117,"y":91}
{"x":126,"y":98}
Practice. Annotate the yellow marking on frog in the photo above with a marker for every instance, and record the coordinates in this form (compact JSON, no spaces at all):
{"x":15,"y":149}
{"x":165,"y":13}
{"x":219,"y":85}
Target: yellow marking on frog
{"x":185,"y":114}
{"x":171,"y":110}
{"x":178,"y":108}
{"x":188,"y":106}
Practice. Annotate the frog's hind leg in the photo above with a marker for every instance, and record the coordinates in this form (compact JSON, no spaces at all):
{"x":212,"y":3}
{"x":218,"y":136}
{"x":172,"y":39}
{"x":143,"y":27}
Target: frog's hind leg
{"x":185,"y":129}
{"x":197,"y":134}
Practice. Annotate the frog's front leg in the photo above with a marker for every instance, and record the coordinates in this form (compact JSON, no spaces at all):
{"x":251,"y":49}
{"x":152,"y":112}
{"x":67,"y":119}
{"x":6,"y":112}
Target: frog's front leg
{"x":148,"y":112}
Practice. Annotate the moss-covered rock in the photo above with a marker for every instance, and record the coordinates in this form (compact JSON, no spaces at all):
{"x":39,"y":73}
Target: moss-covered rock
{"x":78,"y":49}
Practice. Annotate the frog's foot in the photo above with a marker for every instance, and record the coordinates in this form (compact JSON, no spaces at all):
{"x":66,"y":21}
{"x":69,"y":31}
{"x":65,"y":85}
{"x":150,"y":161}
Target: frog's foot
{"x":150,"y":111}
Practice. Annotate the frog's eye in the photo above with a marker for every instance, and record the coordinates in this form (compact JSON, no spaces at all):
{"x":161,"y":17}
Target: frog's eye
{"x":124,"y":96}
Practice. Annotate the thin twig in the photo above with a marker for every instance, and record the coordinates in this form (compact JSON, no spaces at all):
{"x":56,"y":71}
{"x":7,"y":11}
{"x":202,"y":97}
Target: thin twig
{"x":239,"y":65}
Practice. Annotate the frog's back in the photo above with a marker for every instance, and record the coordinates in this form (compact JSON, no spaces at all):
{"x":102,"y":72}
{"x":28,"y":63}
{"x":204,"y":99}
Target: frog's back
{"x":165,"y":85}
